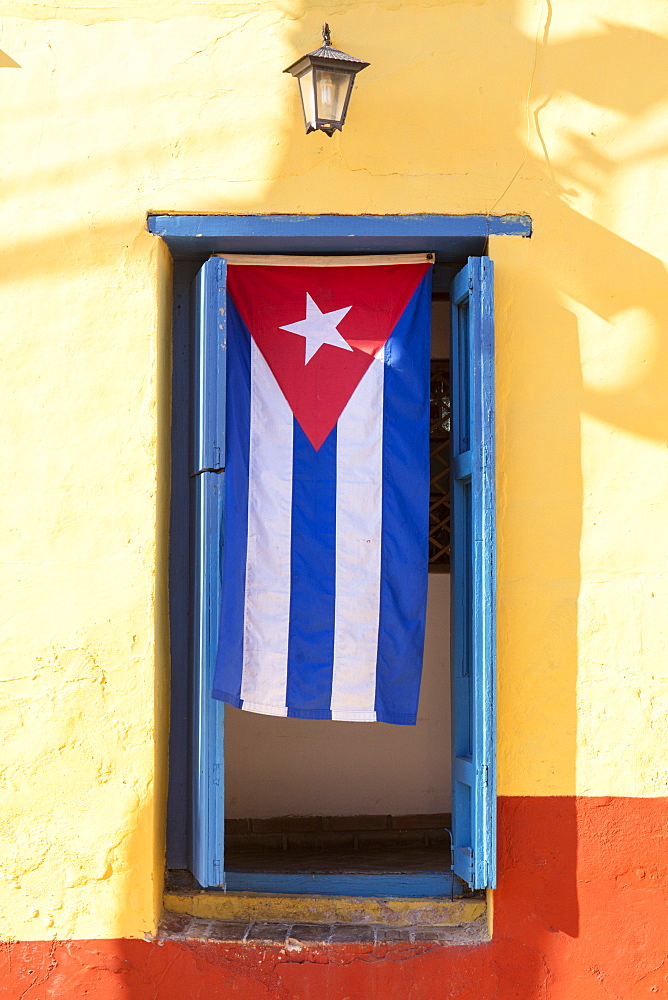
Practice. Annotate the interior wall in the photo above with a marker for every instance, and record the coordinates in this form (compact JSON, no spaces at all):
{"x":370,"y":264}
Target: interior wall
{"x":278,"y":767}
{"x":305,"y":767}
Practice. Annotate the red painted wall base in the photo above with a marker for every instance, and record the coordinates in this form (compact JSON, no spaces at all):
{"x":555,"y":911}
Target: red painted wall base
{"x":581,"y":913}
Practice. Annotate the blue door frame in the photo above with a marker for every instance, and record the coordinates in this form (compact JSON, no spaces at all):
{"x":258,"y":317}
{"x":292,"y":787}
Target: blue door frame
{"x":453,"y":238}
{"x":191,"y":239}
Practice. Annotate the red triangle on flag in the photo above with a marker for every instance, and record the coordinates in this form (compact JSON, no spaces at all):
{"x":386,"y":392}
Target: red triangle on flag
{"x":365,"y":302}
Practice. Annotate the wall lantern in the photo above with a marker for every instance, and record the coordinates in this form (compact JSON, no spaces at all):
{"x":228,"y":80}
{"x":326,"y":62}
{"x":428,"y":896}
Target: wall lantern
{"x":326,"y":78}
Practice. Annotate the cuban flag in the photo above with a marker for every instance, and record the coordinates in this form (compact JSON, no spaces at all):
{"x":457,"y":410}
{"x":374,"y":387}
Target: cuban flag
{"x":327,"y":487}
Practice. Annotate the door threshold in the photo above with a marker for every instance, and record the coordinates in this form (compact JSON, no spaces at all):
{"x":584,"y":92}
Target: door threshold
{"x":184,"y":896}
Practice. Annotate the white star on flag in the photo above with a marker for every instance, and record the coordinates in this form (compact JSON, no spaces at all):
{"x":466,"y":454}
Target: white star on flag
{"x":319,"y":328}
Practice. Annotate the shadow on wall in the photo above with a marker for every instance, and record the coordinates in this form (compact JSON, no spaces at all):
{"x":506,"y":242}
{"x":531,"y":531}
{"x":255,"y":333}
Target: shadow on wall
{"x":6,"y":61}
{"x":598,"y":273}
{"x":605,"y":273}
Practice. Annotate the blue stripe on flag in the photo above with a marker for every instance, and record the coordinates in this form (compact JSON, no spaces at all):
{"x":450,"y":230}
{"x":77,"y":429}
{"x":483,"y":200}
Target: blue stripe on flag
{"x":313,"y":570}
{"x":229,"y":664}
{"x":404,"y":552}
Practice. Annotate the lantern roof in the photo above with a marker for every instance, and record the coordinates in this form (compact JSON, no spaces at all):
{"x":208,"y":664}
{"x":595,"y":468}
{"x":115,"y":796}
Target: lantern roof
{"x":327,"y":54}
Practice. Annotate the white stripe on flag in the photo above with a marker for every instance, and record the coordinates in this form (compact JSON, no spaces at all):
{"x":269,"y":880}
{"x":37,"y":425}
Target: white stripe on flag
{"x":267,"y":606}
{"x":359,"y":497}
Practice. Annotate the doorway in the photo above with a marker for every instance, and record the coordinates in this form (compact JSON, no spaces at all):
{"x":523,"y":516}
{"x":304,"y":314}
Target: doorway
{"x":303,"y":797}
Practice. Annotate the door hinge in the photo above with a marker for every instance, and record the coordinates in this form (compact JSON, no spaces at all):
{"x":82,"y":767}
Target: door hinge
{"x":452,"y":848}
{"x":469,"y":856}
{"x":217,"y":774}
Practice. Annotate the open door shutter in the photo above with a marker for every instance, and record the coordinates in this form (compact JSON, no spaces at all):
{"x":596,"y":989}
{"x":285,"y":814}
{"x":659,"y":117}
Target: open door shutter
{"x":473,"y":575}
{"x":209,"y":366}
{"x":208,"y":482}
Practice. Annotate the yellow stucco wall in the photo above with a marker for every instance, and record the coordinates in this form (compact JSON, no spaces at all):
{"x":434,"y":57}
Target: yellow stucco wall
{"x":113,"y":109}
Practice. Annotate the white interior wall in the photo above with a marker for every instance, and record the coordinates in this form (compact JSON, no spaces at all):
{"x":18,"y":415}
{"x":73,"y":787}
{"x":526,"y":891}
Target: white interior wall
{"x":282,"y":767}
{"x":279,"y":767}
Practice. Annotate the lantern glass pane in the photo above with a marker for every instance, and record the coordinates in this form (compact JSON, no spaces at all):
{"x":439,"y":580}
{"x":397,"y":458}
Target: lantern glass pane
{"x":308,"y":96}
{"x":331,"y":89}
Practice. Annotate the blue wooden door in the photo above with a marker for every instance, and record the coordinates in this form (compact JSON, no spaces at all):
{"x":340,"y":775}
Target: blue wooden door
{"x":208,"y":481}
{"x":473,"y":575}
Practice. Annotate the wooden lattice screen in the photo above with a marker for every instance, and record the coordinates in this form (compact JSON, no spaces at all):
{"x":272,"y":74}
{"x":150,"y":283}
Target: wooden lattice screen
{"x":439,"y":494}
